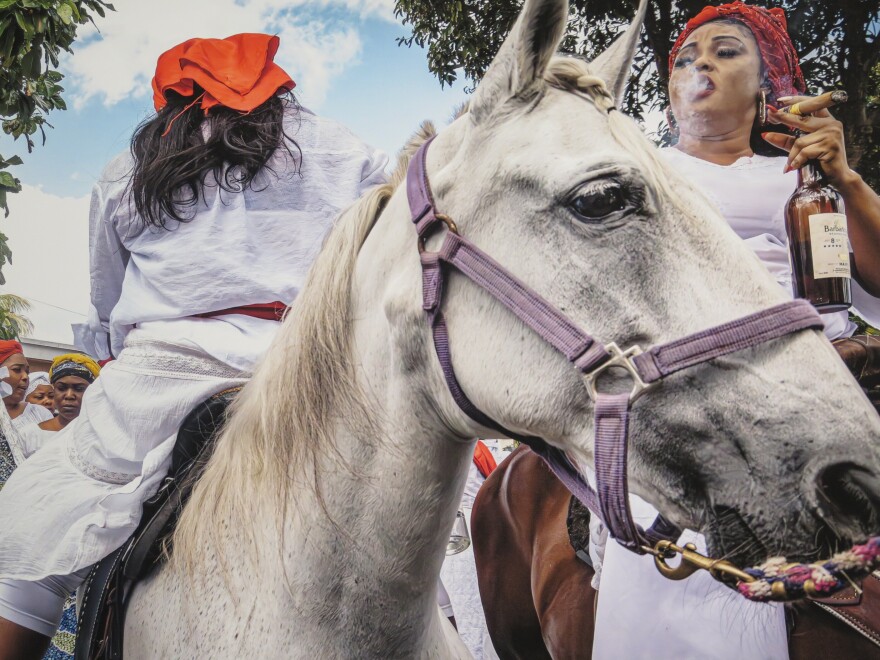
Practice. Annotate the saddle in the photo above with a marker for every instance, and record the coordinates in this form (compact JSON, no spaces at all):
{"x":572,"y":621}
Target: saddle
{"x":106,"y":591}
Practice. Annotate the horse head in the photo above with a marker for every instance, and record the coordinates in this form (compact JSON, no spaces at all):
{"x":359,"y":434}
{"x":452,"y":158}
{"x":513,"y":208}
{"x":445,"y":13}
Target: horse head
{"x":773,"y":449}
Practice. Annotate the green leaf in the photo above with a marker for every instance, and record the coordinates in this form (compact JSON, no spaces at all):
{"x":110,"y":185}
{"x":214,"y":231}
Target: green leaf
{"x":9,"y":182}
{"x":65,"y":13}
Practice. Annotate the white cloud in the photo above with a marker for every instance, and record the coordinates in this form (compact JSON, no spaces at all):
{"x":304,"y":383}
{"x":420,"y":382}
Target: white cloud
{"x":49,"y":237}
{"x":319,"y":38}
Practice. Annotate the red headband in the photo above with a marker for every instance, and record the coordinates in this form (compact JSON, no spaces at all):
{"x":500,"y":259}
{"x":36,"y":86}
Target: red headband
{"x":8,"y":348}
{"x":237,"y":72}
{"x":769,"y":28}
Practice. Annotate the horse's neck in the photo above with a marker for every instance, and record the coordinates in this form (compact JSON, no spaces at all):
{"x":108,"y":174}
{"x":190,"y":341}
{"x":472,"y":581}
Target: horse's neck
{"x":375,"y":544}
{"x":372,"y":540}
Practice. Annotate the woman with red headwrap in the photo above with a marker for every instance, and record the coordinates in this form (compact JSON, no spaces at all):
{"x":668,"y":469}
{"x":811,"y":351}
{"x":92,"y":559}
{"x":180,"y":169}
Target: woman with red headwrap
{"x":726,"y":66}
{"x":16,"y":377}
{"x":200,"y":236}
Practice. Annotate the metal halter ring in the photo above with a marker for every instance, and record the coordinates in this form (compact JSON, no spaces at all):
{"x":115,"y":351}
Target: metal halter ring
{"x":623,"y":360}
{"x":450,"y":226}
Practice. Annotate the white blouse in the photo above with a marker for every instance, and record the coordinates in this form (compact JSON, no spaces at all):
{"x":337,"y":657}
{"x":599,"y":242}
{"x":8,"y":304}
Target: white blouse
{"x":33,"y":414}
{"x":243,"y":248}
{"x":751,"y":195}
{"x":32,"y":437}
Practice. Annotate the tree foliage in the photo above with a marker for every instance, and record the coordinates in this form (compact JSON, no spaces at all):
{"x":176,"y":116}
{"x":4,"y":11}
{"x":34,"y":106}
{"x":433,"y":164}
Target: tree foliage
{"x":32,"y":35}
{"x":13,"y":323}
{"x":837,"y":39}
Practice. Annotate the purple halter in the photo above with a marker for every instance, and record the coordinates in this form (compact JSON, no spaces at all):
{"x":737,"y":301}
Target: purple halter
{"x":610,"y":501}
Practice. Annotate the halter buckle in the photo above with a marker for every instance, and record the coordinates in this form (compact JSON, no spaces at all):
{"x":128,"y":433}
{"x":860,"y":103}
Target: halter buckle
{"x":450,"y":227}
{"x":620,"y":359}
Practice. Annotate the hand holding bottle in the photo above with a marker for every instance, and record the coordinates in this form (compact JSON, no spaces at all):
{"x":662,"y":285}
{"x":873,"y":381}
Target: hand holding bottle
{"x":821,"y":140}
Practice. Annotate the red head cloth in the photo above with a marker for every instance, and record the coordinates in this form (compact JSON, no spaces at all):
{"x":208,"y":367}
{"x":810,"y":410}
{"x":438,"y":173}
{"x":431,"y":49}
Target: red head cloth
{"x":237,"y":72}
{"x":770,"y":30}
{"x":8,"y":348}
{"x":483,"y":459}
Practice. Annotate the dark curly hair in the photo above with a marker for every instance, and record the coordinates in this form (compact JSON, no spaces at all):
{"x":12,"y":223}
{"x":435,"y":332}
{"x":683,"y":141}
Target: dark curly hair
{"x":173,"y":155}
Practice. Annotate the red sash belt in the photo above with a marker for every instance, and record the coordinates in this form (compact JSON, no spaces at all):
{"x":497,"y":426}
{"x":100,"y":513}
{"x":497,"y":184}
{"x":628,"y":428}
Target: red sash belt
{"x":273,"y":311}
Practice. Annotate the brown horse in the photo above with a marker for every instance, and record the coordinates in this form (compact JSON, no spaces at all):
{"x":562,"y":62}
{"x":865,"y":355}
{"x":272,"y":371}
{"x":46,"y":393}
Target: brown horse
{"x":536,"y":592}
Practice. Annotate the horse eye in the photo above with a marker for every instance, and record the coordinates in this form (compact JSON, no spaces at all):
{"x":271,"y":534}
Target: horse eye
{"x":599,"y":202}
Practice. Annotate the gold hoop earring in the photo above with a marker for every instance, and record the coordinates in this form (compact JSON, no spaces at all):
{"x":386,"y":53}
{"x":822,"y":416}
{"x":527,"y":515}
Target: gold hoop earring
{"x":762,"y":108}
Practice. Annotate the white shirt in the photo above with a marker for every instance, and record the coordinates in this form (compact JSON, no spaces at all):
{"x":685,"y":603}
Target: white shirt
{"x":32,"y":437}
{"x":751,"y":195}
{"x":244,"y":248}
{"x":33,"y":414}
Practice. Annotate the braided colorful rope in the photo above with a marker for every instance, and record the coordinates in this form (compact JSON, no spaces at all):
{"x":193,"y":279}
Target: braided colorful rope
{"x":778,"y":580}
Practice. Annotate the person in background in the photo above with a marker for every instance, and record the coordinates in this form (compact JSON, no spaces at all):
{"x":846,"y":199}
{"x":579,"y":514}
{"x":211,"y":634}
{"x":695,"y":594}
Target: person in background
{"x":39,"y":391}
{"x":729,"y":64}
{"x":20,"y":411}
{"x":459,"y":571}
{"x":70,"y":375}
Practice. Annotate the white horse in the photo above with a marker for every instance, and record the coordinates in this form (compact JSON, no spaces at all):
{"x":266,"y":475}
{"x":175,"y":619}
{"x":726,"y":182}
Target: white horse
{"x":319,"y":527}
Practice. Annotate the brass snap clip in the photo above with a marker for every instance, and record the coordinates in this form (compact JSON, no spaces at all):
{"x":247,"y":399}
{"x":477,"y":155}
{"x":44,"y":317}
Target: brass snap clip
{"x":691,"y":562}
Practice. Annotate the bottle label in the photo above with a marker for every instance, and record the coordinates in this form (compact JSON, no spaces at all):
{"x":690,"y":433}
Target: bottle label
{"x":830,"y":245}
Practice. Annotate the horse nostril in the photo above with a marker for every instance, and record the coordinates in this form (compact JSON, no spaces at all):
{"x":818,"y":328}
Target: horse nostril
{"x":853,"y":494}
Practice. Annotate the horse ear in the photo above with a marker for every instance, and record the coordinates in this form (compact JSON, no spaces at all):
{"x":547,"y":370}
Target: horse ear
{"x":518,"y":68}
{"x":613,"y":65}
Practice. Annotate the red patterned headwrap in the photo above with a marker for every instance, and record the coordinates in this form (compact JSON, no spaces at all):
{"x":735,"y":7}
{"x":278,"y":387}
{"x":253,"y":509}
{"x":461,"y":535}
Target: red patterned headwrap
{"x":237,"y":72}
{"x":8,"y":348}
{"x":769,"y":28}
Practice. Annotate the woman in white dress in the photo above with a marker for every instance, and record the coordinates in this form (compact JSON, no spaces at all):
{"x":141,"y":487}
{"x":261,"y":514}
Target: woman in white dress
{"x":69,"y":376}
{"x":200,"y":236}
{"x":727,"y":63}
{"x":19,"y":411}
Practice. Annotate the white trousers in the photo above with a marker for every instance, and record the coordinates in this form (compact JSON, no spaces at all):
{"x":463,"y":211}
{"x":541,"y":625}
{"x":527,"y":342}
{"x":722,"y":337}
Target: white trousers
{"x":38,"y":605}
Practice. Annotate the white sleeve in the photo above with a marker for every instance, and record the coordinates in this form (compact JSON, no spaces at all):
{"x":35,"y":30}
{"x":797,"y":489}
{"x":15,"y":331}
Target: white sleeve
{"x":443,"y":601}
{"x":373,"y":171}
{"x":107,"y":261}
{"x":598,"y":540}
{"x":865,"y":305}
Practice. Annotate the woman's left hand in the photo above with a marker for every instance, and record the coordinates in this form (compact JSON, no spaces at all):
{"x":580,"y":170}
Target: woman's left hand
{"x":822,"y":141}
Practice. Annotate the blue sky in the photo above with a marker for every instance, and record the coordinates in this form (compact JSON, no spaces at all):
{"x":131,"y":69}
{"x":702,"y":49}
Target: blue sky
{"x":342,"y":53}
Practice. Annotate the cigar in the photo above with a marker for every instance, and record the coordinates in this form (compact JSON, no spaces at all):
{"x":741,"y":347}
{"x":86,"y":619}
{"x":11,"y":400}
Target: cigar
{"x":826,"y":100}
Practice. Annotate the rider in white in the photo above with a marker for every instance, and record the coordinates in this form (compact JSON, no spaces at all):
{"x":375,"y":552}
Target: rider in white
{"x":199,"y":238}
{"x":737,"y":52}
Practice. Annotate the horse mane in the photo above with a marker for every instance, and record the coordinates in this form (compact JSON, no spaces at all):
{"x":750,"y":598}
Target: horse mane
{"x":281,"y":424}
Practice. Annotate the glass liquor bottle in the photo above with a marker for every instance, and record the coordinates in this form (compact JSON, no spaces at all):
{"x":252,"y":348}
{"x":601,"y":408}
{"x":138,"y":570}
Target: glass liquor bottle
{"x":817,"y":241}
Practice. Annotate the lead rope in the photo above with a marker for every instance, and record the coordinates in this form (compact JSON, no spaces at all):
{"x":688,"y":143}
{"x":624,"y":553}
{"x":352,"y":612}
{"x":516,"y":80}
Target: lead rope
{"x":778,"y":580}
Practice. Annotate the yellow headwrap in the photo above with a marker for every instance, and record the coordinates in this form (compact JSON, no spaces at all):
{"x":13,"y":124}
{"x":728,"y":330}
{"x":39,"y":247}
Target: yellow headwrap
{"x":74,"y":364}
